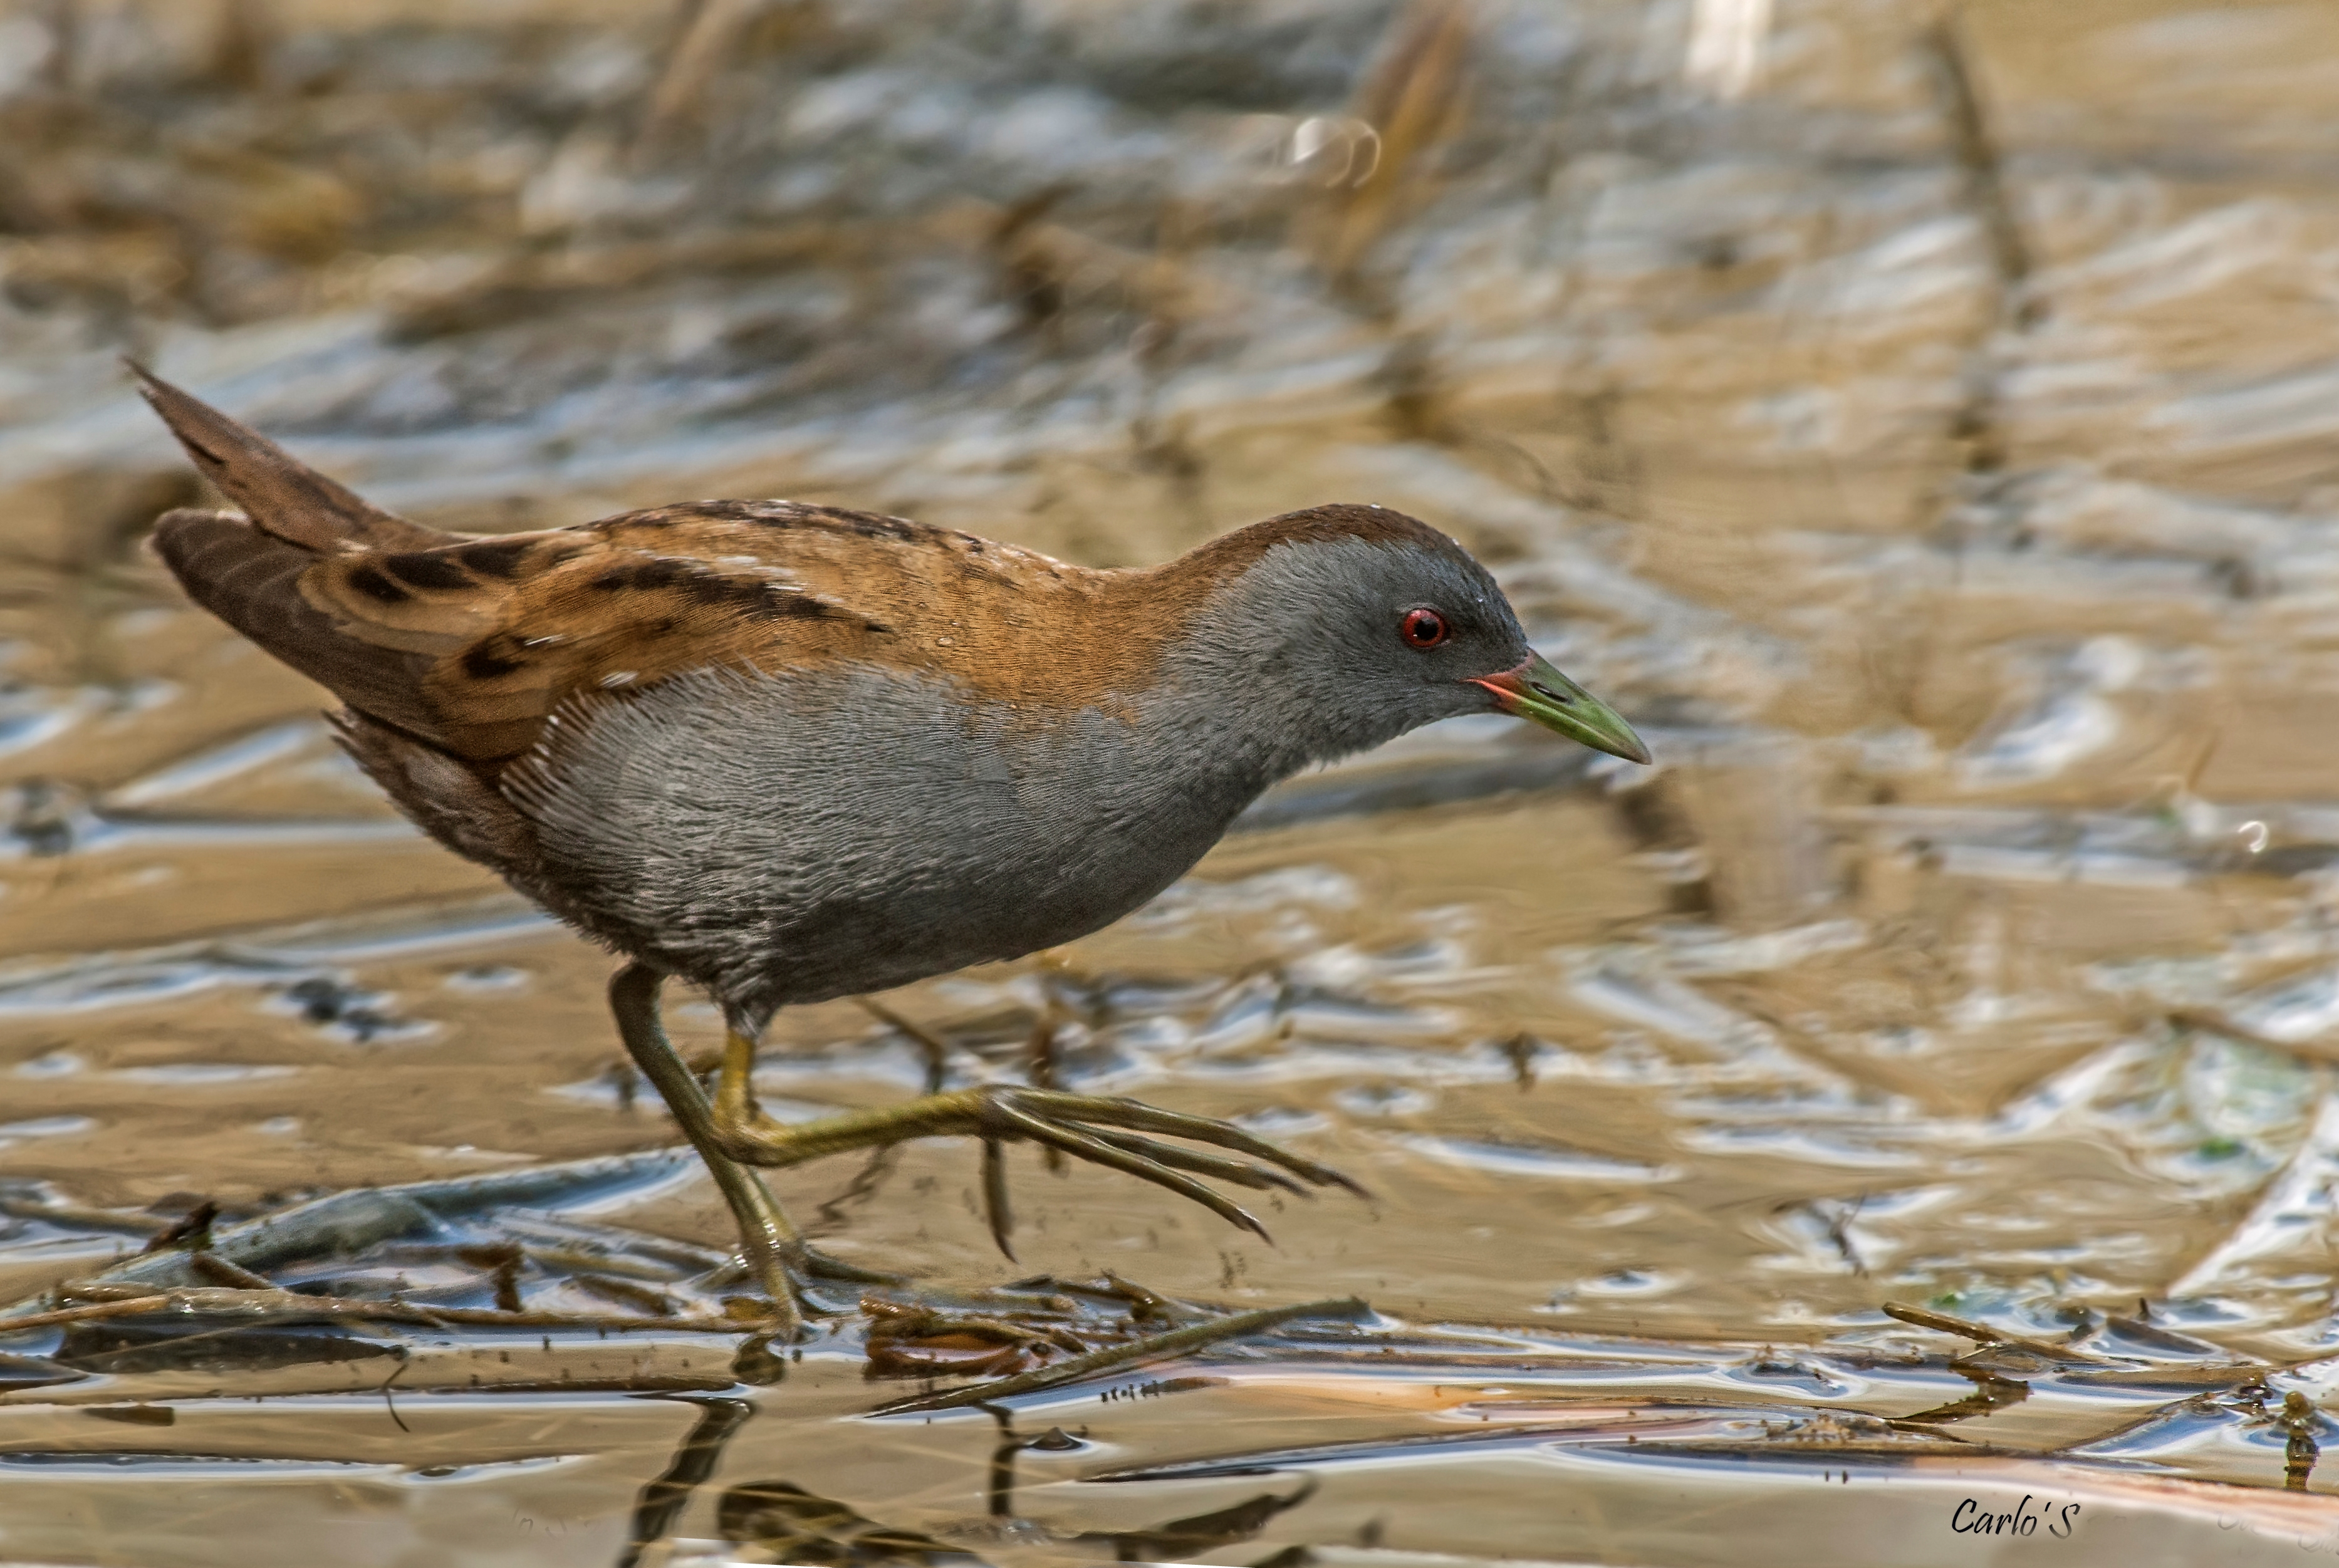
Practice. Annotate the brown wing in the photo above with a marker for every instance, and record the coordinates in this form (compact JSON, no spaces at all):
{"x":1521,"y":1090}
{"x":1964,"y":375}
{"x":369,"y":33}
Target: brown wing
{"x":508,"y":629}
{"x":468,"y":643}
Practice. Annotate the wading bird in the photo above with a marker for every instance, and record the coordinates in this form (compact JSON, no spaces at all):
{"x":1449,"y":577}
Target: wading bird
{"x":790,"y":753}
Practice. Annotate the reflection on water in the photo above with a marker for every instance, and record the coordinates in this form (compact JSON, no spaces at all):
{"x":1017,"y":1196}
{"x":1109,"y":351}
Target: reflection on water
{"x":1925,"y":429}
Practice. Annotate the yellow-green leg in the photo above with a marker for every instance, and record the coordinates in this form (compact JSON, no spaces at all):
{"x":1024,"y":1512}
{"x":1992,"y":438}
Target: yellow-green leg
{"x":772,"y":1247}
{"x":1104,"y":1131}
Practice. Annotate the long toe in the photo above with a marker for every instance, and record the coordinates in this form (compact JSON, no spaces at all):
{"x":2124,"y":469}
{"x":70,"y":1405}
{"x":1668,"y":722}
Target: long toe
{"x":1242,"y":1173}
{"x":1126,"y":1136}
{"x":1096,"y":1110}
{"x":1083,"y":1145}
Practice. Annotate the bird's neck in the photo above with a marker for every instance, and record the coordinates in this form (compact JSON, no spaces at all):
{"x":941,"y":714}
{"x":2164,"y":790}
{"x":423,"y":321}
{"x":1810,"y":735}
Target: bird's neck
{"x":1237,"y":675}
{"x":1222,"y":742}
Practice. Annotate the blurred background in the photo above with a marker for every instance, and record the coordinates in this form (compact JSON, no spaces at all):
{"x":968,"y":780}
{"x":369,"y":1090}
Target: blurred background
{"x":1923,"y":421}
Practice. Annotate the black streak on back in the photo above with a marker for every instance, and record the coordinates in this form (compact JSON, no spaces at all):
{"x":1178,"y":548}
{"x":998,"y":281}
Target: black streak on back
{"x":483,"y":663}
{"x":498,"y":559}
{"x":426,"y":569}
{"x":369,"y":579}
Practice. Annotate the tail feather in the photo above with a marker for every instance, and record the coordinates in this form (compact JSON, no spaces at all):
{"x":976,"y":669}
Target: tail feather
{"x":252,"y":580}
{"x":247,"y":568}
{"x":283,"y":496}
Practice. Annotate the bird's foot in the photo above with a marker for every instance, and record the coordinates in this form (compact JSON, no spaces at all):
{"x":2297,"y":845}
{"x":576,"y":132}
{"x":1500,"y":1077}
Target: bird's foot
{"x":1122,"y":1134}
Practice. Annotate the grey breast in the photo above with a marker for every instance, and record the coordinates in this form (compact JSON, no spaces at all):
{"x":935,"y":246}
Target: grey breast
{"x":793,"y":837}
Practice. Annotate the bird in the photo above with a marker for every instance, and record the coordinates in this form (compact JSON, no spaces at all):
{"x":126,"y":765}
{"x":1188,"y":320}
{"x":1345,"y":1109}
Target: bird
{"x":789,"y":752}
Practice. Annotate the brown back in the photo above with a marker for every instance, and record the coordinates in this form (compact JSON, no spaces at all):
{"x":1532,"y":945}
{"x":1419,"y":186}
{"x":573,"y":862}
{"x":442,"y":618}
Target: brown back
{"x":471,"y":644}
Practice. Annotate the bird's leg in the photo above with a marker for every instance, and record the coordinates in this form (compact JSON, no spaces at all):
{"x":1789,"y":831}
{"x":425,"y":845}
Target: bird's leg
{"x":1104,"y":1131}
{"x":770,"y":1244}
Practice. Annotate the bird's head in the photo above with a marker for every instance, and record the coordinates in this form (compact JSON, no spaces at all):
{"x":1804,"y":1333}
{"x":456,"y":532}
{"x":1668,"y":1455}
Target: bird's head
{"x":1347,"y":626}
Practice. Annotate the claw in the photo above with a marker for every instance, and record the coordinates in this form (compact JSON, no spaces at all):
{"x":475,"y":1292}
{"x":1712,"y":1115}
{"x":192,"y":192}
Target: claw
{"x":994,"y":1195}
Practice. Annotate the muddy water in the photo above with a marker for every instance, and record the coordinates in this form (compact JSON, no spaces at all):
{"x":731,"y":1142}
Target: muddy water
{"x":1926,"y":437}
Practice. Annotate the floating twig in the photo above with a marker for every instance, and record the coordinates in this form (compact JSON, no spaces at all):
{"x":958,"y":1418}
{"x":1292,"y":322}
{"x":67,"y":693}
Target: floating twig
{"x":218,"y":1270}
{"x":1983,"y":1334}
{"x":1177,"y":1342}
{"x":346,"y":1223}
{"x":272,"y":1306}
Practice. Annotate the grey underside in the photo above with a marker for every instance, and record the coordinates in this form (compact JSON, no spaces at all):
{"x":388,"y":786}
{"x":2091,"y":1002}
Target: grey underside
{"x":793,"y":839}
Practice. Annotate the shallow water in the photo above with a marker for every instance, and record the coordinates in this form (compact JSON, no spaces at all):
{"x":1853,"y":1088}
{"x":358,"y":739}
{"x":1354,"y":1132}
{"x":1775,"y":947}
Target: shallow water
{"x":1945,"y":490}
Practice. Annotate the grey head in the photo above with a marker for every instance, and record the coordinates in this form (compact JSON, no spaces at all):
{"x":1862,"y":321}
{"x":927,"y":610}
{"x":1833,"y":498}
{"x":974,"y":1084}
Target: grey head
{"x":1324,"y":647}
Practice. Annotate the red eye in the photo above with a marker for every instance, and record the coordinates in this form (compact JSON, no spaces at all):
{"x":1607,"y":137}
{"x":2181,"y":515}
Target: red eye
{"x":1423,"y":628}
